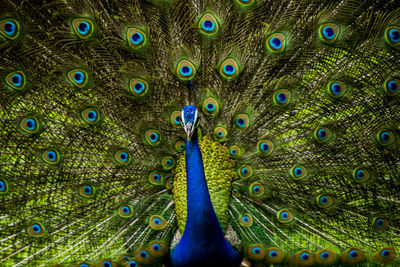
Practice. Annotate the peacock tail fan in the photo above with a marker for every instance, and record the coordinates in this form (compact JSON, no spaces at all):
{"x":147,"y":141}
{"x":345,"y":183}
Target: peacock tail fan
{"x":299,"y":130}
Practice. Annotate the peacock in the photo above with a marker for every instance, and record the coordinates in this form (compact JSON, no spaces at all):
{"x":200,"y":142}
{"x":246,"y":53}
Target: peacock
{"x":199,"y":133}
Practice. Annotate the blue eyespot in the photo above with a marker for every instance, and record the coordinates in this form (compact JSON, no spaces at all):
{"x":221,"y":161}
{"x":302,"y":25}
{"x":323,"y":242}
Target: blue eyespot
{"x":31,"y":124}
{"x":233,"y":151}
{"x":256,"y":189}
{"x":353,"y":254}
{"x":323,"y":200}
{"x":186,"y":71}
{"x":328,"y":32}
{"x":384,"y":137}
{"x":156,"y":247}
{"x":10,"y":28}
{"x":385,"y":253}
{"x":2,"y":186}
{"x":392,"y":86}
{"x":256,"y":250}
{"x":245,"y":218}
{"x":336,"y":89}
{"x":297,"y":171}
{"x":244,"y":171}
{"x":240,"y":122}
{"x":17,"y":79}
{"x":92,"y":115}
{"x":126,"y":209}
{"x":51,"y":155}
{"x":394,"y":35}
{"x":156,"y":177}
{"x":83,"y":265}
{"x":304,"y":256}
{"x":210,"y":107}
{"x":229,"y":69}
{"x":107,"y":264}
{"x":132,"y":264}
{"x":208,"y":25}
{"x":273,"y":253}
{"x":281,"y":98}
{"x":124,"y":156}
{"x":84,"y":28}
{"x":154,"y":137}
{"x":264,"y":147}
{"x":36,"y":228}
{"x":157,"y":221}
{"x":284,"y":215}
{"x":379,"y":222}
{"x":79,"y":77}
{"x":139,"y":87}
{"x":321,"y":134}
{"x":275,"y":43}
{"x":137,"y":38}
{"x":169,"y":162}
{"x":87,"y":189}
{"x":360,"y":174}
{"x":144,"y":254}
{"x":324,"y":255}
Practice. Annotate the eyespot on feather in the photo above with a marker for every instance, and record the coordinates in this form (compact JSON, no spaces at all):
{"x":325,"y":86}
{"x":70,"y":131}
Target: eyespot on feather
{"x":83,"y":28}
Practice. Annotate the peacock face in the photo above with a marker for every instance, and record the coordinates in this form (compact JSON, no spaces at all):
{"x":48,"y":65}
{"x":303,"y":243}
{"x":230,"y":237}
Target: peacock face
{"x":190,"y":120}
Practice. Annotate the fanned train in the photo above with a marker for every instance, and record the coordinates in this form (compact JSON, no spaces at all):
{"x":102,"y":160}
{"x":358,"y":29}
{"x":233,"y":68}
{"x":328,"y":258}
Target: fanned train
{"x":199,"y":133}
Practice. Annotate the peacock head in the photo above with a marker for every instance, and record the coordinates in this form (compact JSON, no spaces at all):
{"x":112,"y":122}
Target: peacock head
{"x":190,"y":120}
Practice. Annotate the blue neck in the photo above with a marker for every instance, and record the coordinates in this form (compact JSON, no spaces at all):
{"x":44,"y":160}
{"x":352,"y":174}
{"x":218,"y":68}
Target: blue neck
{"x":203,"y":241}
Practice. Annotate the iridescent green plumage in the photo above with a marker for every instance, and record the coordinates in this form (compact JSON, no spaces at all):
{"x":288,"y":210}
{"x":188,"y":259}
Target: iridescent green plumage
{"x":299,"y":106}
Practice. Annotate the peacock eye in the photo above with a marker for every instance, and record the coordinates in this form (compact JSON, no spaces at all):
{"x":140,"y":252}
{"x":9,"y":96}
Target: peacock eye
{"x":220,"y":133}
{"x":328,"y":33}
{"x":322,"y":134}
{"x":51,"y":156}
{"x":155,"y":178}
{"x":324,"y":201}
{"x":284,"y":216}
{"x":245,"y":2}
{"x":9,"y":28}
{"x":169,"y":183}
{"x":392,"y":87}
{"x":125,"y":211}
{"x":136,"y":38}
{"x":256,"y":189}
{"x":16,"y":80}
{"x":132,"y":263}
{"x":256,"y":252}
{"x":36,"y":229}
{"x":276,"y":43}
{"x":210,"y":106}
{"x":336,"y":89}
{"x":30,"y":125}
{"x":245,"y":171}
{"x":185,"y":70}
{"x":380,"y":223}
{"x":385,"y":137}
{"x":175,"y":119}
{"x":180,"y":146}
{"x":78,"y":77}
{"x":265,"y":148}
{"x":241,"y":121}
{"x":122,"y":157}
{"x":4,"y":187}
{"x":298,"y":172}
{"x":234,"y":152}
{"x":168,"y":162}
{"x":157,"y":222}
{"x":392,"y":35}
{"x":229,"y":69}
{"x":208,"y":25}
{"x":361,"y":175}
{"x":153,"y":137}
{"x":158,"y":248}
{"x":138,"y":87}
{"x":91,"y":116}
{"x":246,"y":220}
{"x":274,"y":255}
{"x":282,"y":98}
{"x":87,"y":191}
{"x":83,"y":28}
